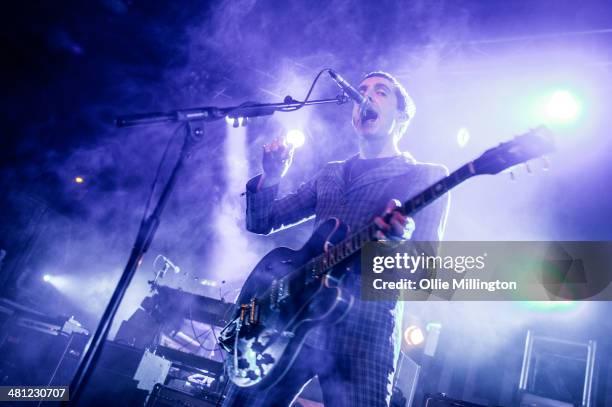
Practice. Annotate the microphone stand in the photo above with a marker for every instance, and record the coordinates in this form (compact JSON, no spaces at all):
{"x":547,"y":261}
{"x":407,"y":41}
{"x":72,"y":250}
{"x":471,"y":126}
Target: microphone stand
{"x":211,"y":113}
{"x":194,"y":135}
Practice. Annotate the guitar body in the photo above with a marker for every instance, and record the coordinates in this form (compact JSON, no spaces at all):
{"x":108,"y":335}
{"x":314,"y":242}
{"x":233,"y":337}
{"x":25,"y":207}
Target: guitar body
{"x":275,"y":313}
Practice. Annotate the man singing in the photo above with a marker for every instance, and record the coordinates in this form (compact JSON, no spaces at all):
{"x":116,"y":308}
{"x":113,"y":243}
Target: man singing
{"x":353,"y":359}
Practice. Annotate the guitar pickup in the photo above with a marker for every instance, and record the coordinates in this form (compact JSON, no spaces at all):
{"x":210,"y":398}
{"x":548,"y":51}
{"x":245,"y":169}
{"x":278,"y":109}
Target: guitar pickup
{"x":250,"y":312}
{"x":282,"y":290}
{"x":278,"y":293}
{"x":254,"y":314}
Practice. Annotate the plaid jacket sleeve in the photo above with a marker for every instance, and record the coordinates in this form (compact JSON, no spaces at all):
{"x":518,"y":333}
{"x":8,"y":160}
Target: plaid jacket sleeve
{"x":265,"y":213}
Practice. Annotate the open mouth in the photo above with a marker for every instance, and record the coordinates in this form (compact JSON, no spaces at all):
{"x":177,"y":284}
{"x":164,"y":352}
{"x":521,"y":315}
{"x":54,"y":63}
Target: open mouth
{"x":369,"y":117}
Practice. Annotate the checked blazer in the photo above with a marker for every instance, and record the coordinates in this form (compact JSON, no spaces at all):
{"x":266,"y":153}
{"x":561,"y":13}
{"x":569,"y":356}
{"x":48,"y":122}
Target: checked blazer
{"x":370,"y":326}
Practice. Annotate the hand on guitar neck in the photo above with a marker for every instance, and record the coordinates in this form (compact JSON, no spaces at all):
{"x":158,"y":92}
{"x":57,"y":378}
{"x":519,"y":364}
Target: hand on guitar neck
{"x":393,"y":224}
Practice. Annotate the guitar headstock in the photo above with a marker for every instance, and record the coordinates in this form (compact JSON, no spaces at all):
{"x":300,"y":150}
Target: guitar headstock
{"x":522,"y":148}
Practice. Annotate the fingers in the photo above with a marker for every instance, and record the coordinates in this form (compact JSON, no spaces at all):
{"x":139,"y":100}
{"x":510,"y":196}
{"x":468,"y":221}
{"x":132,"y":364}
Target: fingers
{"x":273,"y":146}
{"x":279,"y":145}
{"x":398,"y":222}
{"x":277,"y":158}
{"x":394,"y":224}
{"x":392,"y":205}
{"x":382,"y":225}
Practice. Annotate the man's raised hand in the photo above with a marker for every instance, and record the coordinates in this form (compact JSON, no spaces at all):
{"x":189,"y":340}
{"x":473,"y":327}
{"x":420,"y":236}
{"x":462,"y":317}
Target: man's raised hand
{"x":277,"y":158}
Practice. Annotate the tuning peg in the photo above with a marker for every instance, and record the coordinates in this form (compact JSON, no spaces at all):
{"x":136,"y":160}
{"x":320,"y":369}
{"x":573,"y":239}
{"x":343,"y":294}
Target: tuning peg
{"x":512,"y":177}
{"x":545,"y":163}
{"x":528,"y":168}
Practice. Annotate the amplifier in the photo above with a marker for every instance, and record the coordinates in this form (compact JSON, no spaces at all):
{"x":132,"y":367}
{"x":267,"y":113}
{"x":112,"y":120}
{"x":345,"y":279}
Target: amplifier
{"x":34,"y":358}
{"x":111,"y":382}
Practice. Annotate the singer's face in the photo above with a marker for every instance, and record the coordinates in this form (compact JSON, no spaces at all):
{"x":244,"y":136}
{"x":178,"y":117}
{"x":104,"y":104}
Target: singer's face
{"x":384,"y":121}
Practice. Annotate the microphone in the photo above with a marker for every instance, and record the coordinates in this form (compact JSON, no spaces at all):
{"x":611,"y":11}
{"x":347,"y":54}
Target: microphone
{"x":362,"y":101}
{"x":348,"y":88}
{"x":167,"y":261}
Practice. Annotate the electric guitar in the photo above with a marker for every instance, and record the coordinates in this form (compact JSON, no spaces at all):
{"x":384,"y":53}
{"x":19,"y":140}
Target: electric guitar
{"x":291,"y":291}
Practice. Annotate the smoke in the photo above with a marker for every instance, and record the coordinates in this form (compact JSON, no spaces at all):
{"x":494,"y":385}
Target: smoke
{"x":230,"y":52}
{"x":232,"y":255}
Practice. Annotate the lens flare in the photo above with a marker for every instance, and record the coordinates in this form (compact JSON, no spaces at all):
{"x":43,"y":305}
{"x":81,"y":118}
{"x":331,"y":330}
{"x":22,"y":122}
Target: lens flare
{"x":562,"y":107}
{"x":296,"y":138}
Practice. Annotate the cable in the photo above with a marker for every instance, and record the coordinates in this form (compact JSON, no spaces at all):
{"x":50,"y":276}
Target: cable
{"x":292,"y":109}
{"x":300,"y":105}
{"x":196,"y":336}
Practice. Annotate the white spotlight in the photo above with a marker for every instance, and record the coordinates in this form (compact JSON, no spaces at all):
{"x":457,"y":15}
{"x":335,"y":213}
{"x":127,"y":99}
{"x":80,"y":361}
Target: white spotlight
{"x":58,"y":281}
{"x":562,"y":107}
{"x":296,"y":138}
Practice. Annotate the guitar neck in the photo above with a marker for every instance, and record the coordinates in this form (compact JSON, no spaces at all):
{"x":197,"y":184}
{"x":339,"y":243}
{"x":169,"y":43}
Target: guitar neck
{"x":353,"y":244}
{"x":418,"y":202}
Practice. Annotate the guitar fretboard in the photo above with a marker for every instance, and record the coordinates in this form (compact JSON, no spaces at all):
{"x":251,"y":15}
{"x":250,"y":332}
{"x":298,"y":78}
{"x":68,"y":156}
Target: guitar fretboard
{"x":352,"y":244}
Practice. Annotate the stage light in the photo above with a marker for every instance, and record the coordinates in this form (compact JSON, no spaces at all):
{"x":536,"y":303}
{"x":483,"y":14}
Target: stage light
{"x":60,"y":282}
{"x":413,"y":336}
{"x":235,"y":121}
{"x":562,"y":107}
{"x":79,"y":180}
{"x":209,"y":283}
{"x":463,"y":137}
{"x":296,"y":138}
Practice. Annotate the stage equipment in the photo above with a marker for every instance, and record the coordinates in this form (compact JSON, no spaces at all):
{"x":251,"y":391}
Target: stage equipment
{"x":243,"y":111}
{"x":35,"y":346}
{"x":164,"y":396}
{"x":166,"y":311}
{"x":406,"y":378}
{"x":557,"y":372}
{"x":172,"y":302}
{"x":433,"y":336}
{"x":289,"y":292}
{"x":364,"y":104}
{"x":348,"y":88}
{"x":194,"y":135}
{"x":440,"y":400}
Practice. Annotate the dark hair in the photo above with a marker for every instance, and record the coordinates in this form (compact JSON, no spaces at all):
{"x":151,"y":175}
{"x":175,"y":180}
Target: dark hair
{"x":404,"y":101}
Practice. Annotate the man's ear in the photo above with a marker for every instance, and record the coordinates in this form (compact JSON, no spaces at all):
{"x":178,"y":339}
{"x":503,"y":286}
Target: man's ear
{"x":402,"y":117}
